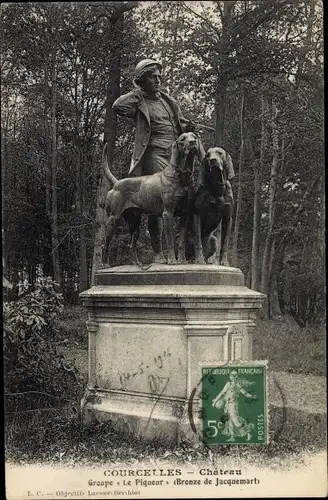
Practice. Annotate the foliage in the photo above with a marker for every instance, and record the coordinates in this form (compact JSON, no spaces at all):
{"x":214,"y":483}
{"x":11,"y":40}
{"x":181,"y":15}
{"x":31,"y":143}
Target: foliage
{"x":33,"y":360}
{"x":213,"y":53}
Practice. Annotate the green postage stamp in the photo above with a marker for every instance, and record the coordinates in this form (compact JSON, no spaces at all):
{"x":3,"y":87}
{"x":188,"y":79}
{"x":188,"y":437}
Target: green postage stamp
{"x":234,"y":404}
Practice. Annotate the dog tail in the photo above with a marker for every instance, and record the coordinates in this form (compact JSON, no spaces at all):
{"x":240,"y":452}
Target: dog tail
{"x":106,"y":170}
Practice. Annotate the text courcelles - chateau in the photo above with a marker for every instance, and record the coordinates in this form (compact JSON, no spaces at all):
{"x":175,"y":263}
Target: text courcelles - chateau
{"x":168,"y":472}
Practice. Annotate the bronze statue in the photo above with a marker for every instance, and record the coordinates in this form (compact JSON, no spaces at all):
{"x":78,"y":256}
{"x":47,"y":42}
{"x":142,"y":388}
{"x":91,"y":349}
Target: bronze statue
{"x":159,"y":194}
{"x":213,"y":203}
{"x":159,"y":122}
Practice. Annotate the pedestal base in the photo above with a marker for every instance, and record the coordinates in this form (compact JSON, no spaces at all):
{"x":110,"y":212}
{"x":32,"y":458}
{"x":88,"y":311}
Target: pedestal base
{"x":150,"y":333}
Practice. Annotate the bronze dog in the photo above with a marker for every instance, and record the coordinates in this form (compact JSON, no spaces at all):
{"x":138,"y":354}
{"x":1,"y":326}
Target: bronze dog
{"x":157,"y":194}
{"x":213,"y":204}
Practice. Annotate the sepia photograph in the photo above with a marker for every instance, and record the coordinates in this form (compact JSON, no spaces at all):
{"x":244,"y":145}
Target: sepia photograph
{"x":163,"y":243}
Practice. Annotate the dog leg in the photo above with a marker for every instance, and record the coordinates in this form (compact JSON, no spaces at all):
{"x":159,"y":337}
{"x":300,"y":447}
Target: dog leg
{"x":110,"y":227}
{"x":199,"y":256}
{"x":225,"y":237}
{"x":210,"y":244}
{"x":134,"y":220}
{"x":168,"y":228}
{"x":135,"y":232}
{"x":183,"y":229}
{"x":155,"y":231}
{"x":213,"y":246}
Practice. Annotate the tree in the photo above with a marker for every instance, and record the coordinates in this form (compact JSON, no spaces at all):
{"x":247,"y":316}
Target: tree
{"x":54,"y":205}
{"x":238,"y":202}
{"x":116,"y":23}
{"x":258,"y":168}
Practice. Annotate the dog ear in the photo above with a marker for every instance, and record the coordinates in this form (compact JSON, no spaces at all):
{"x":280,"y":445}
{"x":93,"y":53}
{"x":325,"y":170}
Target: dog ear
{"x":174,"y":153}
{"x":206,"y":164}
{"x":204,"y":170}
{"x":201,"y":150}
{"x":229,"y":166}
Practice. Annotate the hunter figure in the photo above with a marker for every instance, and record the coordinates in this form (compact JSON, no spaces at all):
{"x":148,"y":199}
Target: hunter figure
{"x":159,"y":123}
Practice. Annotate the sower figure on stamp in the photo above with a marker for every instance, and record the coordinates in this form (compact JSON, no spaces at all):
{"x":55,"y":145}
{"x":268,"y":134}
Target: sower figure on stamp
{"x":235,"y":424}
{"x":159,"y":123}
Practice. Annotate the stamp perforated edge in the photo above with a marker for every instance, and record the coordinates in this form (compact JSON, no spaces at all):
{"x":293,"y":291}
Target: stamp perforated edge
{"x":241,"y":363}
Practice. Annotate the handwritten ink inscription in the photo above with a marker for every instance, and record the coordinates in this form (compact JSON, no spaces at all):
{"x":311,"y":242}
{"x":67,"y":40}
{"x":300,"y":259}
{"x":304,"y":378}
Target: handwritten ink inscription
{"x":155,"y":380}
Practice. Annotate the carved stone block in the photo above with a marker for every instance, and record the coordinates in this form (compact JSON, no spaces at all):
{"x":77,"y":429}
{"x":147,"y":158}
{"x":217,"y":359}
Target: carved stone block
{"x":149,"y":334}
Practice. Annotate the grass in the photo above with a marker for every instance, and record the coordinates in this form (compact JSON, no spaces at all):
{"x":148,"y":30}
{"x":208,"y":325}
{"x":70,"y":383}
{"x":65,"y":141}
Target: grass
{"x":72,"y":325}
{"x":55,"y":435}
{"x":61,"y":439}
{"x":290,"y":348}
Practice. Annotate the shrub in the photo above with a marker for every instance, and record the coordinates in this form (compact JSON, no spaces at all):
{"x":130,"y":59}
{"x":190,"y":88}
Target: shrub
{"x":33,"y":361}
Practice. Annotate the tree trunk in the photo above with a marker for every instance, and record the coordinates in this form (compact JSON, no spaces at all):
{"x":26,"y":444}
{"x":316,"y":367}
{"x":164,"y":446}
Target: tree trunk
{"x":306,"y":47}
{"x":174,"y":46}
{"x":223,"y":80}
{"x":255,"y":280}
{"x":80,"y":180}
{"x":47,"y":264}
{"x":265,"y":276}
{"x":47,"y":141}
{"x":83,"y":265}
{"x":258,"y":167}
{"x":273,"y":300}
{"x":54,"y":208}
{"x":220,"y":111}
{"x":113,"y":91}
{"x":274,"y":306}
{"x":274,"y":179}
{"x":248,"y":279}
{"x":239,"y":190}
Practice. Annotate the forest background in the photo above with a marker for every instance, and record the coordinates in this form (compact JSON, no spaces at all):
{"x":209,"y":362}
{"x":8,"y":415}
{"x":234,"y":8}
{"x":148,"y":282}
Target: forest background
{"x":253,"y":71}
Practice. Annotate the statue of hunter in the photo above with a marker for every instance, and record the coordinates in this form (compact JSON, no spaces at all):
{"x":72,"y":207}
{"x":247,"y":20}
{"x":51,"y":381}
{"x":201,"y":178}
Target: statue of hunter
{"x":159,"y":123}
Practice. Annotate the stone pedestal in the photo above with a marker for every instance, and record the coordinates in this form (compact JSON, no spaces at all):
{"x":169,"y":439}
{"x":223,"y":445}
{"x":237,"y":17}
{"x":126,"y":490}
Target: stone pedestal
{"x":150,"y":332}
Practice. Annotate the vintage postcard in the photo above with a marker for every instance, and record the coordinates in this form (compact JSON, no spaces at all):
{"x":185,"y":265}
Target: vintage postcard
{"x":163,"y":172}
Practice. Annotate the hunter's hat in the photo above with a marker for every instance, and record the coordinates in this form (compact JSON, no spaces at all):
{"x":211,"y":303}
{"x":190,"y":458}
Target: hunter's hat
{"x":144,"y":66}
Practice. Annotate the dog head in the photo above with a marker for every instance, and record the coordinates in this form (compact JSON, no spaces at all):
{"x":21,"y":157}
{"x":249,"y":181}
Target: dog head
{"x":187,"y":144}
{"x":218,"y":161}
